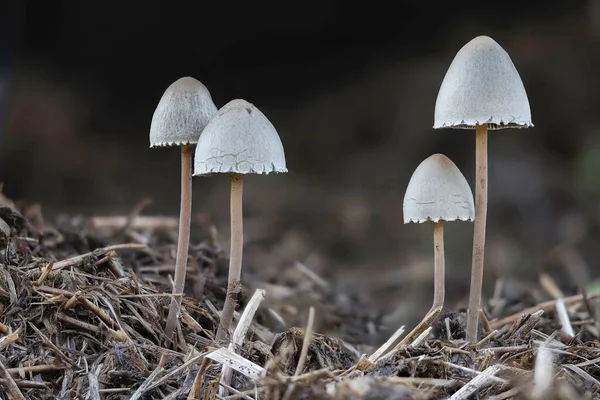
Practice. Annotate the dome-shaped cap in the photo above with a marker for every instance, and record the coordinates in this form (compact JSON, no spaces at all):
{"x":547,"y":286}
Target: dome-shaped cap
{"x":438,"y":191}
{"x":184,"y":110}
{"x":482,"y":86}
{"x":239,"y":139}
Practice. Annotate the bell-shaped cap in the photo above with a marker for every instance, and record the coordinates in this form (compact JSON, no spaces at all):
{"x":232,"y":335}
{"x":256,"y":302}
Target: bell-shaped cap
{"x":482,"y":86}
{"x":438,"y":191}
{"x":239,"y":139}
{"x":182,"y":113}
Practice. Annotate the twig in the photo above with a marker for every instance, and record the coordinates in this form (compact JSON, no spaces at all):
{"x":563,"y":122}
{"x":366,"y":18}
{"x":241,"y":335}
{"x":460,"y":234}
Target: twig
{"x":563,"y":318}
{"x":469,"y":370}
{"x":306,"y":342}
{"x":183,"y":366}
{"x":240,"y":333}
{"x":486,"y":339}
{"x":235,"y":391}
{"x":35,"y":368}
{"x":69,"y":262}
{"x":421,"y":337}
{"x":550,"y":286}
{"x":582,"y":374}
{"x":322,"y":283}
{"x":10,"y":383}
{"x":26,"y":384}
{"x":140,"y":222}
{"x":487,"y":377}
{"x":528,"y":325}
{"x":423,"y":325}
{"x":546,"y":306}
{"x":47,"y":269}
{"x":61,"y":356}
{"x":93,"y":383}
{"x":149,"y":381}
{"x":196,"y":390}
{"x":386,"y":346}
{"x":119,"y":335}
{"x":240,"y":364}
{"x":149,"y":295}
{"x":304,"y":351}
{"x":543,"y":373}
{"x":9,"y":339}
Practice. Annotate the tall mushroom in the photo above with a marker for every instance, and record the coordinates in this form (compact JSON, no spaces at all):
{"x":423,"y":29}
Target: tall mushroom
{"x":184,"y":110}
{"x":481,"y":90}
{"x":239,"y":140}
{"x":437,"y":192}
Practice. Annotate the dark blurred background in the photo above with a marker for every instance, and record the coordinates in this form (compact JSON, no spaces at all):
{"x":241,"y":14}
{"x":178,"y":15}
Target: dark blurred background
{"x":351,"y":90}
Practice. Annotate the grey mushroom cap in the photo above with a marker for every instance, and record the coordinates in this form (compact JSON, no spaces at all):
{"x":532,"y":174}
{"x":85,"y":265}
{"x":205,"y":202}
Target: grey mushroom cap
{"x":182,"y":113}
{"x":239,"y":139}
{"x":482,"y":86}
{"x":438,"y":191}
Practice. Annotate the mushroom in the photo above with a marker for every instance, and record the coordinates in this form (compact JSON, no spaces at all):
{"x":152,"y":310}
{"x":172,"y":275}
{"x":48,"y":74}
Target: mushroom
{"x":481,"y":90}
{"x":437,"y":192}
{"x":184,"y":110}
{"x":239,"y":140}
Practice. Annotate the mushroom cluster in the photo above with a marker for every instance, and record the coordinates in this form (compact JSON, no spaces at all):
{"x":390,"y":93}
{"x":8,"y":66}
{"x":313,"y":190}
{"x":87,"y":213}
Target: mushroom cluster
{"x":237,"y":139}
{"x":481,"y":90}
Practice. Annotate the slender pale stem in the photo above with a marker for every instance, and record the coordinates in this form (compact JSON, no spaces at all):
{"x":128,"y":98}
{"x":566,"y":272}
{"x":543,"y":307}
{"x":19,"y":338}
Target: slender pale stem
{"x":438,"y":284}
{"x":183,"y":240}
{"x":234,"y":285}
{"x":439,"y":267}
{"x":481,"y":178}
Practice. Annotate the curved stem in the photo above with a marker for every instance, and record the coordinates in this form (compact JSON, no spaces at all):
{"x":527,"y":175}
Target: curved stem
{"x":481,"y":178}
{"x":183,"y":240}
{"x":439,"y":265}
{"x":235,"y":257}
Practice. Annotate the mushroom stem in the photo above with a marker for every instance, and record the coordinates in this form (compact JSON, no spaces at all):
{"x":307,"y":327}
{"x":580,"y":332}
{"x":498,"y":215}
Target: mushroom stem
{"x":481,"y":177}
{"x":183,"y":240}
{"x":439,"y":268}
{"x":234,"y":286}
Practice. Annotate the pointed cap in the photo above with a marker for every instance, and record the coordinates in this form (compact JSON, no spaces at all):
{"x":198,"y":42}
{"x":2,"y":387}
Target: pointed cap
{"x":182,"y":113}
{"x":438,"y":191}
{"x":482,"y":86}
{"x":239,"y":139}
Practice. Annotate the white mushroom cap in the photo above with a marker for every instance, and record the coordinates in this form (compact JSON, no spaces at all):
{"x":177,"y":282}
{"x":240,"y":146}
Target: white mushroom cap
{"x":482,"y":86}
{"x":239,"y":139}
{"x":438,"y":191}
{"x":184,"y":110}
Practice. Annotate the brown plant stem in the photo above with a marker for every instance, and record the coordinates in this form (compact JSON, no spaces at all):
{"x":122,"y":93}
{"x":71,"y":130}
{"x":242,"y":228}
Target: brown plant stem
{"x":481,"y":178}
{"x":439,"y":265}
{"x":183,"y":240}
{"x":235,"y":257}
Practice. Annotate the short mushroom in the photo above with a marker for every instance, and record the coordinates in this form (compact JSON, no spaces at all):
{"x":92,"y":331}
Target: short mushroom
{"x":481,"y":90}
{"x":239,"y":140}
{"x":437,"y":192}
{"x":184,"y":110}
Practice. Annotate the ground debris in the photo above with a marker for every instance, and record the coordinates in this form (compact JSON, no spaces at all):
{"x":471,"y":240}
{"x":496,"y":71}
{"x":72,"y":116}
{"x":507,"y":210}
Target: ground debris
{"x":83,"y":304}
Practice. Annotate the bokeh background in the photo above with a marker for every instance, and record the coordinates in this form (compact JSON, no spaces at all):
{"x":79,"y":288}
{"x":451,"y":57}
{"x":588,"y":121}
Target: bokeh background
{"x":351,"y":90}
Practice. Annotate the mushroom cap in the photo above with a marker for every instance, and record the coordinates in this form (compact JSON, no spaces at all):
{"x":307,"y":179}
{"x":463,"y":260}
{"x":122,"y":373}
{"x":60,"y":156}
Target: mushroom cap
{"x":184,"y":110}
{"x":438,"y":191}
{"x":482,"y":86}
{"x":239,"y":139}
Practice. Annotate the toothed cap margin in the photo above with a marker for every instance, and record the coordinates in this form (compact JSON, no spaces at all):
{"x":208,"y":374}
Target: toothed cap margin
{"x":438,"y":191}
{"x":239,"y":139}
{"x":182,"y":113}
{"x":482,"y":86}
